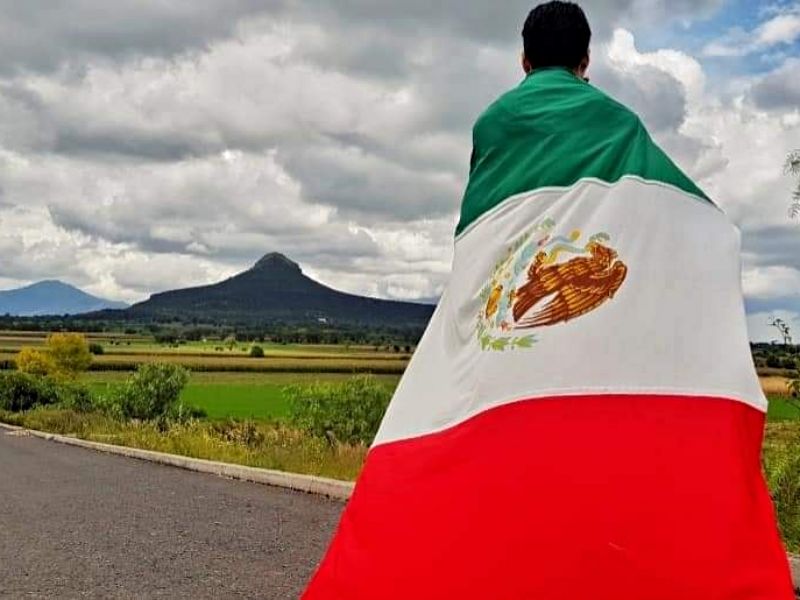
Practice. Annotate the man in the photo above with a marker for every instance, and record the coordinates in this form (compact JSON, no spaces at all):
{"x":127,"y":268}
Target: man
{"x":581,"y":418}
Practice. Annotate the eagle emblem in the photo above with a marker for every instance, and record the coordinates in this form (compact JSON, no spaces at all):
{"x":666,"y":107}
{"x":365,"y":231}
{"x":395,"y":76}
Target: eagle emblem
{"x":543,"y":280}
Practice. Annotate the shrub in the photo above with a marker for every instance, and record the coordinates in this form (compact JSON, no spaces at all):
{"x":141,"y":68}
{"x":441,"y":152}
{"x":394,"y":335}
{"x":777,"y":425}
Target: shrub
{"x":96,"y":349}
{"x":76,"y":397}
{"x":257,"y":352}
{"x":34,"y":362}
{"x":69,"y":353}
{"x":23,"y":391}
{"x":782,"y":469}
{"x":348,"y":412}
{"x":152,"y":393}
{"x":773,"y":362}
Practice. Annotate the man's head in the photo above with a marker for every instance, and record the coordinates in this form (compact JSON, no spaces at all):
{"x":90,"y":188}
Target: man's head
{"x":556,"y":34}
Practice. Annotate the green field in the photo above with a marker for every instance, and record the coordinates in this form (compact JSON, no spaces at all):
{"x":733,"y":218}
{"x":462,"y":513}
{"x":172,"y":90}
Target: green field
{"x":781,"y":409}
{"x":262,"y":397}
{"x":227,"y":383}
{"x":254,"y":396}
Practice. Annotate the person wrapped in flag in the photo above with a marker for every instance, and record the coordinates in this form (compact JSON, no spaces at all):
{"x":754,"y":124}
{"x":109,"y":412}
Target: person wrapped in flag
{"x":582,"y":418}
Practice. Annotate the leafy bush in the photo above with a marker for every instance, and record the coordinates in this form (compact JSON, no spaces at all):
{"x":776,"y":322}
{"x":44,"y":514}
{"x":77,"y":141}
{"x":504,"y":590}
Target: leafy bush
{"x":152,"y":393}
{"x":23,"y":391}
{"x":348,"y":412}
{"x":76,"y":397}
{"x":257,"y":352}
{"x":96,"y":349}
{"x":69,"y":353}
{"x":773,"y":362}
{"x":34,"y":362}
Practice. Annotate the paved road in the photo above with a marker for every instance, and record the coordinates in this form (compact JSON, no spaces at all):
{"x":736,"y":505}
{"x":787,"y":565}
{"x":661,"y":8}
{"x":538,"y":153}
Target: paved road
{"x":80,"y":524}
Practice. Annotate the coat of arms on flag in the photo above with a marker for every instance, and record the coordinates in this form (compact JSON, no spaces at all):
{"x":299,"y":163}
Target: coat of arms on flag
{"x":545,"y":279}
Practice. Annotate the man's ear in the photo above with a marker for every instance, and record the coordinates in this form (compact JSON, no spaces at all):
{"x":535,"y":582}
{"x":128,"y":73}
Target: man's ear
{"x":584,"y":66}
{"x":526,"y":64}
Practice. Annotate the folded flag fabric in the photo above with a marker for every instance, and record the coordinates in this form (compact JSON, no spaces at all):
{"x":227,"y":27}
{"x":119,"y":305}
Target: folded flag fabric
{"x":582,"y":418}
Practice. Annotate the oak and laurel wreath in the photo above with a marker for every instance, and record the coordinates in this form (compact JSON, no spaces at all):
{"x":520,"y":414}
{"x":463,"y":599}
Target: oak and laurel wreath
{"x":497,"y":342}
{"x":492,"y":342}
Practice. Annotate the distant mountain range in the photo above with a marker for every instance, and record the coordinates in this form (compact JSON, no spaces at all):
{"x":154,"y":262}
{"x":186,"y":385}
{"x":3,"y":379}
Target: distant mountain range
{"x":51,"y":298}
{"x":274,"y":290}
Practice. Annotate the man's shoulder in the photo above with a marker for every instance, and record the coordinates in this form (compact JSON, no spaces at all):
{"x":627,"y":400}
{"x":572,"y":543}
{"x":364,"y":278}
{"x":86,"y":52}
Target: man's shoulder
{"x":530,"y":101}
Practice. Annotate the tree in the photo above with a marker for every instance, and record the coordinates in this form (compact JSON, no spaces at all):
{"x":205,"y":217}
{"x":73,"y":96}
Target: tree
{"x":783,"y":327}
{"x":34,"y":362}
{"x":69,"y":353}
{"x":792,"y":167}
{"x":153,"y":393}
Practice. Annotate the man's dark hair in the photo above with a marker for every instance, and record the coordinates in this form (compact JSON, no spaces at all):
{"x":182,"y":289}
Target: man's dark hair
{"x":556,"y":34}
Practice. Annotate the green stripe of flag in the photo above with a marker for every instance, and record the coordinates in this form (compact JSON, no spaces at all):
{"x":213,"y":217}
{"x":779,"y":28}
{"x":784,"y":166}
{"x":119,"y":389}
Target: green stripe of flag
{"x":553,"y":130}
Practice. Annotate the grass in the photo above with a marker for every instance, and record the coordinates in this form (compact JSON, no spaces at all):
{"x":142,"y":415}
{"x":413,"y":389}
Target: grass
{"x":265,"y":401}
{"x":257,"y":396}
{"x":782,"y":408}
{"x":782,"y":469}
{"x":258,"y":401}
{"x":265,"y":445}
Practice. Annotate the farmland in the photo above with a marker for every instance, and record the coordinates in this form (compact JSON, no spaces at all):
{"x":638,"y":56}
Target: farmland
{"x":122,"y":352}
{"x":236,"y":395}
{"x":226,"y":382}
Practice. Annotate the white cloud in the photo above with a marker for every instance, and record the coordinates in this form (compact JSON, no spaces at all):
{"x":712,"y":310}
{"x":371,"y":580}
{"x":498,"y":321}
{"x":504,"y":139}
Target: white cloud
{"x":783,"y":29}
{"x":686,"y":70}
{"x":334,"y":131}
{"x":780,"y":29}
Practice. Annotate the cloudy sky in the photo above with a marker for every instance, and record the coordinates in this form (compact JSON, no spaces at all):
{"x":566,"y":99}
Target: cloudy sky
{"x":151,"y":144}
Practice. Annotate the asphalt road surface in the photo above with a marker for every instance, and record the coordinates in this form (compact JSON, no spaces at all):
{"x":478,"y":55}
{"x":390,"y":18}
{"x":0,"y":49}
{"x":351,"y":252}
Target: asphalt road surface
{"x":80,"y":524}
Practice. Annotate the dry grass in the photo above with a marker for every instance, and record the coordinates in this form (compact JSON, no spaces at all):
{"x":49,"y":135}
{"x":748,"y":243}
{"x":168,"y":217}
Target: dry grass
{"x":774,"y":384}
{"x":336,"y":364}
{"x":782,"y":470}
{"x":265,"y":445}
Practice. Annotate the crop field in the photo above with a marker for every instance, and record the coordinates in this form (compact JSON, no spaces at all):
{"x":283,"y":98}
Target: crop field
{"x":256,"y":396}
{"x":227,"y":383}
{"x":126,"y":353}
{"x":781,"y":406}
{"x":12,"y":341}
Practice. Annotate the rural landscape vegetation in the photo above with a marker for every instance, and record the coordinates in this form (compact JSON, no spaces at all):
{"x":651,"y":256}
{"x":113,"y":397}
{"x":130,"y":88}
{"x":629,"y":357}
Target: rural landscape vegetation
{"x":160,"y":145}
{"x":272,"y":369}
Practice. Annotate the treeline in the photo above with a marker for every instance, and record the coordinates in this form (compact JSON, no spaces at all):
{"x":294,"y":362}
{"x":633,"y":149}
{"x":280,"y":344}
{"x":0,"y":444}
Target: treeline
{"x":175,"y":330}
{"x":776,"y":356}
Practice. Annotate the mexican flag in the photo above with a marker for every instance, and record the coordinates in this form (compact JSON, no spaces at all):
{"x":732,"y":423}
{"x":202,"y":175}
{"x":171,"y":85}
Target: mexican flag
{"x":582,"y":418}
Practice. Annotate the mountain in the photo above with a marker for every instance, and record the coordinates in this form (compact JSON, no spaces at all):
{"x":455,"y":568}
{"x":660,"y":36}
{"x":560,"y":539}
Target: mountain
{"x":51,"y":298}
{"x":276,"y":290}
